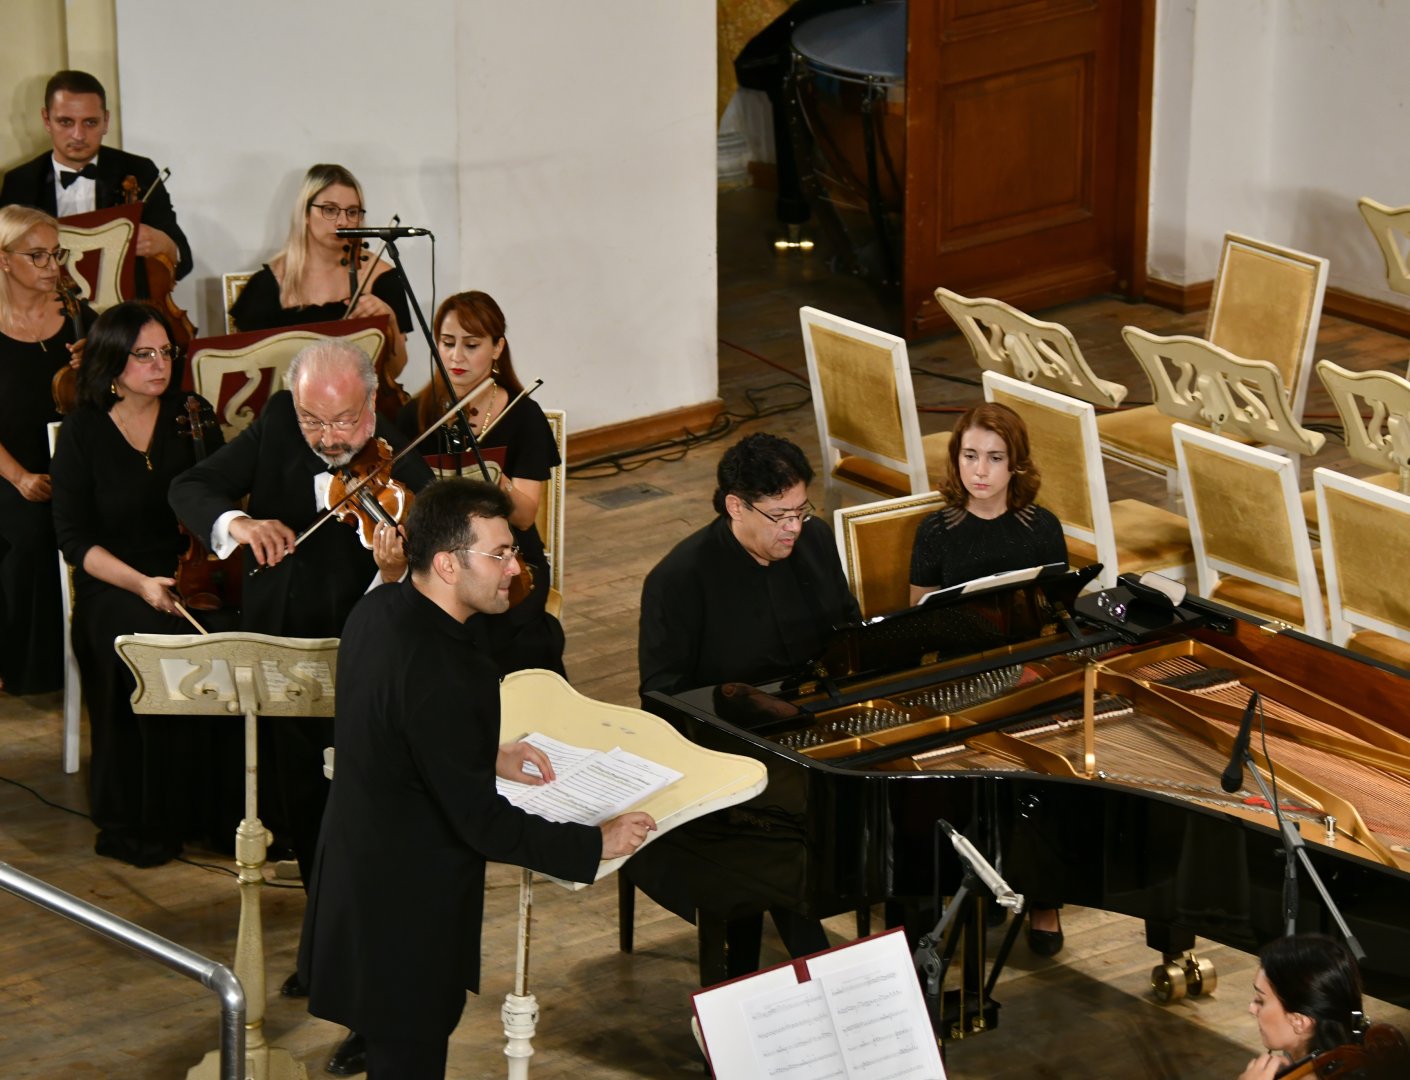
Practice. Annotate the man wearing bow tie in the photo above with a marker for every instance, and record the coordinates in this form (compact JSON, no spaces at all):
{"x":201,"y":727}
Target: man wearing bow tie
{"x":79,"y":174}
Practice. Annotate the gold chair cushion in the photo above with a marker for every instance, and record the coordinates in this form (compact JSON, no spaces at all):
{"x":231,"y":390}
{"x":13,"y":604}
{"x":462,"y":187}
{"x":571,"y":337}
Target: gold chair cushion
{"x":868,"y":474}
{"x":1381,"y":647}
{"x":1147,"y":538}
{"x":1261,"y":600}
{"x":1142,"y":432}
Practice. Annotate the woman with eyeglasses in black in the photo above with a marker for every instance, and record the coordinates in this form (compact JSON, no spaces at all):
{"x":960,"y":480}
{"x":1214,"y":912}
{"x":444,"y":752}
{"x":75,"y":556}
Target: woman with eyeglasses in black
{"x":309,"y":280}
{"x":117,"y":455}
{"x":36,"y":341}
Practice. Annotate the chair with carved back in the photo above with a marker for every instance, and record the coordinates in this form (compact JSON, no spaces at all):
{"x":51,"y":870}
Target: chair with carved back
{"x":875,"y":541}
{"x":1250,"y":538}
{"x":1390,"y":225}
{"x":552,"y":504}
{"x":866,"y":413}
{"x":237,"y":373}
{"x":1005,"y":340}
{"x":1266,"y":305}
{"x":1366,"y":558}
{"x":73,"y":688}
{"x":104,"y":253}
{"x":232,"y":285}
{"x":1126,"y":536}
{"x":1374,"y":407}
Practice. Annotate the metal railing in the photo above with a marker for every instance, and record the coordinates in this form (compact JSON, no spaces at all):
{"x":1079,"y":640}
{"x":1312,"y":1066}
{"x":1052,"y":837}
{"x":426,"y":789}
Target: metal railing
{"x":212,"y":975}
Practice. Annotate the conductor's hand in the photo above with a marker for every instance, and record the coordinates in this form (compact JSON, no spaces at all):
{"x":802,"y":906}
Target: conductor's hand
{"x":624,"y":834}
{"x":269,"y":540}
{"x":513,"y":756}
{"x":389,"y":550}
{"x":1264,"y":1067}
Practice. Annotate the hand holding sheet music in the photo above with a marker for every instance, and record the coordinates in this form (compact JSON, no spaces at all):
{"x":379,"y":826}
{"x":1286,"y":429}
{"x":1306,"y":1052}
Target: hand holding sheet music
{"x":592,"y":785}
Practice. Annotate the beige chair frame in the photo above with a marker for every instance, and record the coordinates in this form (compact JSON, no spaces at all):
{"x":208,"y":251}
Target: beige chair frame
{"x":111,"y":241}
{"x":1363,"y":603}
{"x":552,"y":505}
{"x":1214,"y":559}
{"x":73,"y":686}
{"x":1390,"y":225}
{"x":1022,"y":347}
{"x":852,"y":525}
{"x":1099,"y":528}
{"x":1381,"y":440}
{"x":210,"y":366}
{"x":875,"y":369}
{"x":232,"y":285}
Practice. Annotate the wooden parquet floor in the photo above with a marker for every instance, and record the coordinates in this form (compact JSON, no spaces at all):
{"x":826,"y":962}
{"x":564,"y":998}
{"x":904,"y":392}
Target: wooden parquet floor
{"x":74,"y":1005}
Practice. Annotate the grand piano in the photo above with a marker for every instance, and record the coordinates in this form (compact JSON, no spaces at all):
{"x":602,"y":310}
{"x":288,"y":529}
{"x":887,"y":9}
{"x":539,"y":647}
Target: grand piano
{"x":1078,"y":741}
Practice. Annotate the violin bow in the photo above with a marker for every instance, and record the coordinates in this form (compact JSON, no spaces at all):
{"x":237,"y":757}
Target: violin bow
{"x":161,"y":179}
{"x":521,"y":396}
{"x":333,"y":510}
{"x":362,"y":282}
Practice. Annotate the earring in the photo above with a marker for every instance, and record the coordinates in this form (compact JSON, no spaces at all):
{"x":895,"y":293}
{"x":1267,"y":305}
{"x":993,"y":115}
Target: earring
{"x":112,"y":388}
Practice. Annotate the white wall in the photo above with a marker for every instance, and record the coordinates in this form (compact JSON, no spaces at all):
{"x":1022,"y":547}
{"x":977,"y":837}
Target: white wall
{"x":563,"y":154}
{"x":1272,"y":117}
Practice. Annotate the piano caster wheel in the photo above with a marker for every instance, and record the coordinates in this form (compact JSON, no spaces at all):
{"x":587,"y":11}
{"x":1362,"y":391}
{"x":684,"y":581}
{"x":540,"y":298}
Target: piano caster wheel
{"x":1183,"y":974}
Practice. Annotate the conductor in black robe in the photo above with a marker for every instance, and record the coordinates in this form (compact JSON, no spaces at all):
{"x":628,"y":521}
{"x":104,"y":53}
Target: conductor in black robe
{"x":79,"y":174}
{"x":391,"y":954}
{"x":282,"y":462}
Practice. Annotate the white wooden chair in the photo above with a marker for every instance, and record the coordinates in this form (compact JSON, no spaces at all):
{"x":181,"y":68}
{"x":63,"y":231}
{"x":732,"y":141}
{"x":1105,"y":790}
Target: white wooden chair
{"x":261,"y":363}
{"x":232,"y":285}
{"x":552,"y":505}
{"x":1366,"y":557}
{"x":1267,"y":305}
{"x":111,"y":242}
{"x":1005,"y":340}
{"x":1390,"y":225}
{"x":1247,"y":528}
{"x":875,"y":541}
{"x":1127,"y":536}
{"x":73,"y":687}
{"x":866,"y":412}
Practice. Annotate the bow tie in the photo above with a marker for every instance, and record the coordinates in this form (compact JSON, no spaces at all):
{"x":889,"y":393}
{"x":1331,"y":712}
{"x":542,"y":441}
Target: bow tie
{"x":88,"y":172}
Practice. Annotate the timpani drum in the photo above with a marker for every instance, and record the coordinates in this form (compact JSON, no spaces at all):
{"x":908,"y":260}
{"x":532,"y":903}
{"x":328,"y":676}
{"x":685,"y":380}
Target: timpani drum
{"x":849,"y":71}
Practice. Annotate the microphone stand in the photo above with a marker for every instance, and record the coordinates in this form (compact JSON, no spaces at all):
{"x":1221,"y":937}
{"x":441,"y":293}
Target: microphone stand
{"x":1295,"y":849}
{"x":461,"y":425}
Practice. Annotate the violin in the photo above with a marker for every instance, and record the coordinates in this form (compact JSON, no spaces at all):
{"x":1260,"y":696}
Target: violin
{"x":161,"y":271}
{"x":63,"y":387}
{"x":204,"y":582}
{"x":364,"y":495}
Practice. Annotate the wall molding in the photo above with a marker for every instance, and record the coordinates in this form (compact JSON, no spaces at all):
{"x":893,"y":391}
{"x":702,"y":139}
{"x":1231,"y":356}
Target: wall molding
{"x":1181,"y":298}
{"x":1366,"y":310}
{"x":642,"y":431}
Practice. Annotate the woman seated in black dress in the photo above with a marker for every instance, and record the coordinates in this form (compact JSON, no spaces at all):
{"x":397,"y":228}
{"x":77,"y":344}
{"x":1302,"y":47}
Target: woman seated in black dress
{"x":36,"y":341}
{"x":117,"y":454}
{"x":989,"y":524}
{"x":520,"y":452}
{"x":309,"y":280}
{"x":1306,"y":999}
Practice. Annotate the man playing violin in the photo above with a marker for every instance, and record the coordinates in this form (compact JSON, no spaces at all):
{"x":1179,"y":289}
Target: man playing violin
{"x":79,"y":174}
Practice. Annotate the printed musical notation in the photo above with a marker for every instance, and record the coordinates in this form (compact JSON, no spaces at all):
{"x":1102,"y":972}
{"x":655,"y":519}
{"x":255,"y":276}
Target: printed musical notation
{"x":591,"y":786}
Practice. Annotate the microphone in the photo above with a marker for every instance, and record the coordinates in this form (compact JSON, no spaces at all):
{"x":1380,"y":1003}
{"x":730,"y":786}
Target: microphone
{"x":387,"y":232}
{"x":1234,"y":772}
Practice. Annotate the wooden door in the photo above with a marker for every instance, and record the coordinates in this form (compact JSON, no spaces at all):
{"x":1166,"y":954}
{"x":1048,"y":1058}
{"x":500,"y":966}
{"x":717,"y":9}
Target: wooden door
{"x":1027,"y":151}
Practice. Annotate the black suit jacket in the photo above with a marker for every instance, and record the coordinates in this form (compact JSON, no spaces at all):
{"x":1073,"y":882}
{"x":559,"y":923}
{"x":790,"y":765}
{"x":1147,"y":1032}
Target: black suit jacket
{"x":310,"y":593}
{"x":32,"y":184}
{"x":391,"y":937}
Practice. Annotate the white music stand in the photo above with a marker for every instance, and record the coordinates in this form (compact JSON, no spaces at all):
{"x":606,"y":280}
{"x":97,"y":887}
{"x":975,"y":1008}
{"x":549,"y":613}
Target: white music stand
{"x":542,"y":701}
{"x":232,"y":674}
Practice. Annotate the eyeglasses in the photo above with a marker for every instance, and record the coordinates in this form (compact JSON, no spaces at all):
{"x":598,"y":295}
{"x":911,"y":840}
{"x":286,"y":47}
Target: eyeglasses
{"x":802,"y":514}
{"x":509,"y":553}
{"x":332,"y":211}
{"x":42,"y":258}
{"x":312,"y":423}
{"x":151,"y":356}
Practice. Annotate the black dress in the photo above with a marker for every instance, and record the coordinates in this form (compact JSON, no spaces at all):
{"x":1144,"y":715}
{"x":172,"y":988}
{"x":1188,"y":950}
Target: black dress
{"x":149,"y":791}
{"x":525,"y":636}
{"x":31,"y":615}
{"x":952,"y":547}
{"x":258,"y":307}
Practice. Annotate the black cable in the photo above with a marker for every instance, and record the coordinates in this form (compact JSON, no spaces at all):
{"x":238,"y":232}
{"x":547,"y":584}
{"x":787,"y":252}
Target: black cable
{"x":47,"y":802}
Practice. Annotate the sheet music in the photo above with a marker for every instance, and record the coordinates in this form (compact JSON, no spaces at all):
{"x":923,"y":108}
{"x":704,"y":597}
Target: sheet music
{"x":591,"y":786}
{"x":876,"y":1024}
{"x":793,"y":1034}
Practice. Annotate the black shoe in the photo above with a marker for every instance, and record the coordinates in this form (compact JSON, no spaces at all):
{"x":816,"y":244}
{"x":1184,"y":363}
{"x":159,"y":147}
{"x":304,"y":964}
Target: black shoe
{"x":350,"y":1058}
{"x":1044,"y":942}
{"x":294,"y":987}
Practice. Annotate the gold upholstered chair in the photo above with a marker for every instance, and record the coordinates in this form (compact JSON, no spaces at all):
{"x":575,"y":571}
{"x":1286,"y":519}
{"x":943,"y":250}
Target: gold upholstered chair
{"x":1266,"y":305}
{"x":1005,"y":340}
{"x":1246,"y":524}
{"x":1366,"y":556}
{"x":875,"y":541}
{"x":866,"y":412}
{"x":1390,"y":225}
{"x":232,"y":285}
{"x":1126,"y":536}
{"x":552,"y":503}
